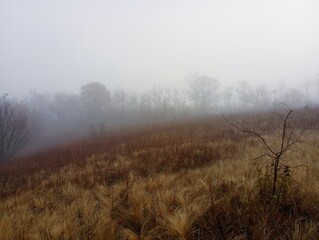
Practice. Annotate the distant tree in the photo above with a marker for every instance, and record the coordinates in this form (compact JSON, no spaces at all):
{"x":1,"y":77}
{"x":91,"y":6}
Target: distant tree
{"x":145,"y":101}
{"x":175,"y":98}
{"x":13,"y":129}
{"x":309,"y":91}
{"x":132,"y":101}
{"x":202,"y":90}
{"x":162,"y":100}
{"x":157,"y":97}
{"x":244,"y":95}
{"x":65,"y":106}
{"x":227,"y":96}
{"x":261,"y":98}
{"x":295,"y":97}
{"x":120,"y":99}
{"x":95,"y":97}
{"x":38,"y":102}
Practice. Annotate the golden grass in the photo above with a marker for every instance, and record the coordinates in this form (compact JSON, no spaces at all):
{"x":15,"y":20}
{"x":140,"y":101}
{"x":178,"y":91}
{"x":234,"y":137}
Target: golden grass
{"x":195,"y":180}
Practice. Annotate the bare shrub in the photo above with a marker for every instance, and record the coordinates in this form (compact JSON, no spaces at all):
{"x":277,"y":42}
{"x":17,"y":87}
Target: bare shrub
{"x":274,"y":173}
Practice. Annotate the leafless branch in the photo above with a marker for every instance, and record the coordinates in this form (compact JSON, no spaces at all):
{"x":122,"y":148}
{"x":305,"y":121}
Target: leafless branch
{"x":275,"y":157}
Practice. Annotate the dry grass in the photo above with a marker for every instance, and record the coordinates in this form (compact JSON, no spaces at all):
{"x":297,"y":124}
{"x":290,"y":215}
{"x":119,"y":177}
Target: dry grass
{"x":192,"y":180}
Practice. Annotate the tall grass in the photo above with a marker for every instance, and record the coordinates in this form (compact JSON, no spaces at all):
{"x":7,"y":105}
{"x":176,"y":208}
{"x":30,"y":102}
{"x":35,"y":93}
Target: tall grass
{"x":186,"y":180}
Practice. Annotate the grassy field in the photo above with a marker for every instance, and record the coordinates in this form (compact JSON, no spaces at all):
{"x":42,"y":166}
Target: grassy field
{"x":195,"y":179}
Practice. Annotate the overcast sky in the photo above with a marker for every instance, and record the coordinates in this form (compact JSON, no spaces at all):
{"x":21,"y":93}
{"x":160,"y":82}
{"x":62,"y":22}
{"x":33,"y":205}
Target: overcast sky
{"x":62,"y":44}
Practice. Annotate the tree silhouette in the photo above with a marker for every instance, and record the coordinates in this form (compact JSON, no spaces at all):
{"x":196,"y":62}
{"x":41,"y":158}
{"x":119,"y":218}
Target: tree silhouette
{"x":13,"y":129}
{"x":202,"y":90}
{"x":95,"y":97}
{"x":274,"y":154}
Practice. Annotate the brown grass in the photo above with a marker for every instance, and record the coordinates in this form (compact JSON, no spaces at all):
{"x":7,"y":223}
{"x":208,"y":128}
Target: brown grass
{"x":190,"y":180}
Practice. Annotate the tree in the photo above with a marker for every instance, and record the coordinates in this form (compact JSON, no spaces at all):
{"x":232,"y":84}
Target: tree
{"x":65,"y":106}
{"x":40,"y":103}
{"x":13,"y":129}
{"x":95,"y":97}
{"x":275,"y":166}
{"x":227,"y":96}
{"x":261,"y":98}
{"x":120,"y":99}
{"x":202,"y":90}
{"x":244,"y":94}
{"x":295,"y":97}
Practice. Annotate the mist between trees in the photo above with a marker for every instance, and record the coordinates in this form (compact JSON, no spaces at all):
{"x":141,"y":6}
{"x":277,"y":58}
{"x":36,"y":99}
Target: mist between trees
{"x":63,"y":117}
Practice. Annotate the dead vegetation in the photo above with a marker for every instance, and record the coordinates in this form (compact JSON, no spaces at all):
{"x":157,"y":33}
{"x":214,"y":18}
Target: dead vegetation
{"x":188,"y":180}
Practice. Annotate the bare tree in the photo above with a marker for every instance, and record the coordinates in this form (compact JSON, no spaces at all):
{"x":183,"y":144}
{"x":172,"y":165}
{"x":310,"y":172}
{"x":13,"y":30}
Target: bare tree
{"x":132,"y":101}
{"x":227,"y":96}
{"x":13,"y":129}
{"x":261,"y":98}
{"x":244,"y":95}
{"x":274,"y":154}
{"x":120,"y":99}
{"x":202,"y":90}
{"x":294,"y":97}
{"x":161,"y":99}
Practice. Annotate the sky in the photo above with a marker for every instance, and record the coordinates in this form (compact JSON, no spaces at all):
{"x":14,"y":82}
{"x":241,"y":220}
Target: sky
{"x":60,"y":45}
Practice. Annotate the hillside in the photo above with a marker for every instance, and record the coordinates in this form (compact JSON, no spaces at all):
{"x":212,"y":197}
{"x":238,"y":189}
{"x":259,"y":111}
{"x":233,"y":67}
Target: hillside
{"x":195,"y":179}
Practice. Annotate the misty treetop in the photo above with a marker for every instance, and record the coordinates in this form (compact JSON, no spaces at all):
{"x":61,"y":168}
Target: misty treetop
{"x":95,"y":95}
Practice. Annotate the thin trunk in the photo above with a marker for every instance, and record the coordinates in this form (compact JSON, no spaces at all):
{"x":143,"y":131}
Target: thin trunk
{"x":275,"y":175}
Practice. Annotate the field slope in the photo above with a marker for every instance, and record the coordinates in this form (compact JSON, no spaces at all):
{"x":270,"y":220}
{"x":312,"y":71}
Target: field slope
{"x":185,"y":180}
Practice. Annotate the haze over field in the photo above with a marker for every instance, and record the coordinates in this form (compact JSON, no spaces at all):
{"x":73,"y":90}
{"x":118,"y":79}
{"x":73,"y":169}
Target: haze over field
{"x":159,"y":119}
{"x":61,"y":45}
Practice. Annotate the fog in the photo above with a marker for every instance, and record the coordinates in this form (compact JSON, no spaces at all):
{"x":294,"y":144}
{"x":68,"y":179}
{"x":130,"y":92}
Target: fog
{"x":153,"y":61}
{"x":60,"y":45}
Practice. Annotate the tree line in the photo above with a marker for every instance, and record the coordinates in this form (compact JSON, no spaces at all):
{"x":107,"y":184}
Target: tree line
{"x":61,"y":117}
